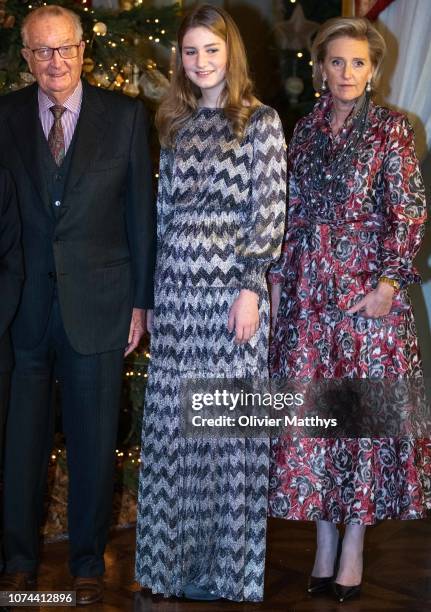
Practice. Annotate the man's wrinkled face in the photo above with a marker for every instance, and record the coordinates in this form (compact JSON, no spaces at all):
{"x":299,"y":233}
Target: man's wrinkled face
{"x":57,"y":77}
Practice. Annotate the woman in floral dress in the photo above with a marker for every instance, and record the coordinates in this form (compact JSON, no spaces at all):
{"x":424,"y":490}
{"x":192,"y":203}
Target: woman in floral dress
{"x":340,"y":305}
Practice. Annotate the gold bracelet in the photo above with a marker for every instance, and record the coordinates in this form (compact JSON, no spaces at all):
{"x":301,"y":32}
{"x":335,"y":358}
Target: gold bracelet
{"x":390,"y":281}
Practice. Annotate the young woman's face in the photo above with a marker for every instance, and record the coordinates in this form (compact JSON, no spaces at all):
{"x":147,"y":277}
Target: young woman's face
{"x":204,"y":57}
{"x":347,"y":68}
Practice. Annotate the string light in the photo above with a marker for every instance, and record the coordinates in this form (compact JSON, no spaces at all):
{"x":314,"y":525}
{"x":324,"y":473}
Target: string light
{"x":299,"y":54}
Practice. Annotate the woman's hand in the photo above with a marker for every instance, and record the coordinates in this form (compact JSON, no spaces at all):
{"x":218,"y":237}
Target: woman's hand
{"x":244,"y":316}
{"x":275,"y":302}
{"x":377,"y":303}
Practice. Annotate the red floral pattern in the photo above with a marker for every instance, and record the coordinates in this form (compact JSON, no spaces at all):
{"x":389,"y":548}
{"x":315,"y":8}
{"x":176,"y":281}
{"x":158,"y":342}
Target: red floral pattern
{"x":334,"y":252}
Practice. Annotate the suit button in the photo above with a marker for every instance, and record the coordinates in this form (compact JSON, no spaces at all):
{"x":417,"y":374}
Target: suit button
{"x":57,"y":203}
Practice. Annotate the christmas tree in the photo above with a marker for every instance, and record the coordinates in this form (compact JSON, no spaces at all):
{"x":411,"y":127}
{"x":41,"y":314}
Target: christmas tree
{"x":123,"y":47}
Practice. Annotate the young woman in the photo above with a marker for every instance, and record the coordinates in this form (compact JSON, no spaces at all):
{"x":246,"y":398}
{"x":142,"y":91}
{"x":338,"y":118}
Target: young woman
{"x":203,"y":501}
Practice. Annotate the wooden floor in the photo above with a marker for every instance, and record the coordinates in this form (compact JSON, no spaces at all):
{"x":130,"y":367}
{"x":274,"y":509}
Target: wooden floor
{"x":397,"y":573}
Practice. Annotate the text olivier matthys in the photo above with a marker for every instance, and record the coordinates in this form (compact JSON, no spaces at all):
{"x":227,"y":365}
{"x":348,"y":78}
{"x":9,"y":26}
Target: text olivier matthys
{"x":255,"y":403}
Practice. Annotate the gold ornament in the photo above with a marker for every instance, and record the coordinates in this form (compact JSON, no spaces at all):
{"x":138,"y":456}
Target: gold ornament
{"x":88,"y":65}
{"x":100,"y":28}
{"x":126,"y":5}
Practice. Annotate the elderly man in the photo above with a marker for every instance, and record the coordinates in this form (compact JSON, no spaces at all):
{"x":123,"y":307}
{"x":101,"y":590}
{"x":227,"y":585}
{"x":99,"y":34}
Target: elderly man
{"x":80,"y":159}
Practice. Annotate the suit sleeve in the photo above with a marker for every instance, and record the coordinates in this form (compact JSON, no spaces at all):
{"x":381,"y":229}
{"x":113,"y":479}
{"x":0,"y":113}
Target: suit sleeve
{"x":261,"y":236}
{"x":404,"y":205}
{"x":141,"y":211}
{"x":11,"y":258}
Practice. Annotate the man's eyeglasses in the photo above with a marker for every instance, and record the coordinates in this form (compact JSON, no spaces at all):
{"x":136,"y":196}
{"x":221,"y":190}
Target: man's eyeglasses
{"x":45,"y":53}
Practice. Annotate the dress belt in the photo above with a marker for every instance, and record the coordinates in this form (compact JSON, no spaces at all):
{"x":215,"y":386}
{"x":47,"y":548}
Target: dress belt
{"x":372,"y":223}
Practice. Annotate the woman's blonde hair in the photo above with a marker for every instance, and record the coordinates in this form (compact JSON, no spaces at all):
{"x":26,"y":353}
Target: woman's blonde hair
{"x":351,"y":27}
{"x":181,"y":99}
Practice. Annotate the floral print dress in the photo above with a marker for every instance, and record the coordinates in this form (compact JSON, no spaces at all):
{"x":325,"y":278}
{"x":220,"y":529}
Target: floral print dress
{"x":336,"y":247}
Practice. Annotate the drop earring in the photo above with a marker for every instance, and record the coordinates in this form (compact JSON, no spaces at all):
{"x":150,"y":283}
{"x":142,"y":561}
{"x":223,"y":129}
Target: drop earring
{"x":324,"y":86}
{"x":368,"y":87}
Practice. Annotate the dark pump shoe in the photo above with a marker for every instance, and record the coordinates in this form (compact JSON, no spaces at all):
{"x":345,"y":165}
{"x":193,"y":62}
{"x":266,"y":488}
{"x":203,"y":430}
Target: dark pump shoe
{"x":317,"y":585}
{"x":89,"y":589}
{"x":18,"y":581}
{"x":342,"y":592}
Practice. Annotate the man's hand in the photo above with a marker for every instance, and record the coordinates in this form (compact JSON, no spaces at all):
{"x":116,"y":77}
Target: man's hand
{"x":377,"y":303}
{"x":137,"y":330}
{"x":244,"y":316}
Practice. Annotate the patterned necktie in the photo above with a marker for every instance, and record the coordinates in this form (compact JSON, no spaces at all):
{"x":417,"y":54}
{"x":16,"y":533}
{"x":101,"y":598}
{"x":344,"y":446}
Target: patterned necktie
{"x":56,"y":135}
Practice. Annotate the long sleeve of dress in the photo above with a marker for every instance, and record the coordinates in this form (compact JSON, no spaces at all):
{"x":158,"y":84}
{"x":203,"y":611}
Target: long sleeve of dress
{"x":277,"y":272}
{"x":404,"y":205}
{"x":164,"y":190}
{"x":261,"y":237}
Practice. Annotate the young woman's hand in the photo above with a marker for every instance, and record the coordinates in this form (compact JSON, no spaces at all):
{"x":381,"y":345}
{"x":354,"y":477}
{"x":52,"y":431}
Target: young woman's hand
{"x":244,"y":316}
{"x":377,"y":303}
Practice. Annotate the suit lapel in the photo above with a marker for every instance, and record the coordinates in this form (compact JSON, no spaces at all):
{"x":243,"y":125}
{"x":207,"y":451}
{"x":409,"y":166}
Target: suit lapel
{"x":91,"y":128}
{"x":24,"y":124}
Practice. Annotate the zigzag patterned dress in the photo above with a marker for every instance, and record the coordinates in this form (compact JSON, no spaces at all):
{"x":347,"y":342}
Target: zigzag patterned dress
{"x":203,"y":501}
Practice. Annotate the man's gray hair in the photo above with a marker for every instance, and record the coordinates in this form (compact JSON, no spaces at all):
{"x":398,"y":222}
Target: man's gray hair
{"x":51,"y":10}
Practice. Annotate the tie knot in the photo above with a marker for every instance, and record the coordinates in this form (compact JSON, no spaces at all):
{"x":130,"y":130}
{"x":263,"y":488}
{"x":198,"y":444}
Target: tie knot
{"x":57,"y":111}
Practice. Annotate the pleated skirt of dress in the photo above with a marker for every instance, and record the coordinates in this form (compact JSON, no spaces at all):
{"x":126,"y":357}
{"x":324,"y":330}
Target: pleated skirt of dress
{"x":202,"y":502}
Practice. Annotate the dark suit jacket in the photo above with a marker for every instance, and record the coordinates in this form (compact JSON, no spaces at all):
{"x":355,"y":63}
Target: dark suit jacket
{"x":11,"y":268}
{"x":101,"y":248}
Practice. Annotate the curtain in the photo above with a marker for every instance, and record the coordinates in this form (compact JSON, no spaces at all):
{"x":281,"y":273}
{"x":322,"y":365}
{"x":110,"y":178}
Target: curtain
{"x":370,"y":8}
{"x":406,"y":27}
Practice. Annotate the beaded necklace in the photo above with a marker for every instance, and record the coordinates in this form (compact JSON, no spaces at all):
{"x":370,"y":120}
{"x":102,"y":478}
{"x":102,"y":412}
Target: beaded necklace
{"x":329,"y":170}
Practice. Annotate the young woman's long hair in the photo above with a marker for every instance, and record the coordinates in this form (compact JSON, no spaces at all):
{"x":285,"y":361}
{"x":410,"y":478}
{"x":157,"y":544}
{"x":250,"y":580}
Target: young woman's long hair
{"x":182,"y":98}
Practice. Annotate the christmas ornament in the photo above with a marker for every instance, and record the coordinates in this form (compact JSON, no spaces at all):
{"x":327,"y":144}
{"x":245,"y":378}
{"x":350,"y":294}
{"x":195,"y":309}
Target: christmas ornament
{"x":295,"y":33}
{"x":88,"y":65}
{"x":100,"y":28}
{"x":132,"y":89}
{"x":153,"y":84}
{"x":294,"y":87}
